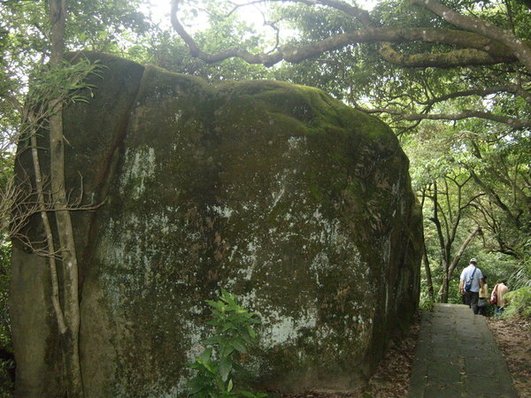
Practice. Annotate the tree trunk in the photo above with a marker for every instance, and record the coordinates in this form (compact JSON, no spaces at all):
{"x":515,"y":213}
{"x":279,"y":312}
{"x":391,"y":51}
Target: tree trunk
{"x":445,"y":284}
{"x":429,"y":280}
{"x":58,"y":310}
{"x":425,"y":260}
{"x":68,"y":256}
{"x":63,"y":219}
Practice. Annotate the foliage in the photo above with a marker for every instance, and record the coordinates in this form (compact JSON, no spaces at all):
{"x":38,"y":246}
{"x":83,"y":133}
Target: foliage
{"x":490,"y":310}
{"x":425,"y":303}
{"x":167,"y":50}
{"x":98,"y":25}
{"x":232,"y":335}
{"x":31,"y":46}
{"x":24,"y":55}
{"x":6,"y":360}
{"x":66,"y":82}
{"x":105,"y":25}
{"x":494,"y":162}
{"x":520,"y":277}
{"x":518,"y":303}
{"x":312,"y":37}
{"x":170,"y":53}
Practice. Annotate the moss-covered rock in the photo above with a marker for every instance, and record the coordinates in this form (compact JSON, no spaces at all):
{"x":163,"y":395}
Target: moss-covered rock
{"x":276,"y":192}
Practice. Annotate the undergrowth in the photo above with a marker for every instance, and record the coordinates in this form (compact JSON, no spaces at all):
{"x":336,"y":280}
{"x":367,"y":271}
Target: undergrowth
{"x":232,"y":336}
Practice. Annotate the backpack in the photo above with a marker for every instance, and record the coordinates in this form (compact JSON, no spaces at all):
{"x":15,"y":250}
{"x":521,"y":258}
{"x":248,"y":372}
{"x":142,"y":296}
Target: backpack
{"x":468,"y":284}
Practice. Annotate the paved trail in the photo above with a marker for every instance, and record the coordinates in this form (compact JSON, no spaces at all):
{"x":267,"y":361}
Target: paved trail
{"x":457,"y":357}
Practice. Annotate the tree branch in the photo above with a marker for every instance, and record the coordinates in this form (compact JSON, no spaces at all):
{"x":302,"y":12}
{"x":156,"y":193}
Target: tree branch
{"x":479,"y":50}
{"x":462,"y":249}
{"x":465,"y":114}
{"x":450,"y":59}
{"x":520,"y":49}
{"x":482,"y":92}
{"x":350,"y":10}
{"x":496,"y":199}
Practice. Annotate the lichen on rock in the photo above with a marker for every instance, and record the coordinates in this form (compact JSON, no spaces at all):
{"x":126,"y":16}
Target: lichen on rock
{"x":293,"y":201}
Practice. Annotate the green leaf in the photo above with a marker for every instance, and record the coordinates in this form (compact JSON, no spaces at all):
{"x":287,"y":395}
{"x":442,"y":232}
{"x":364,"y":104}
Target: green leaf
{"x":225,"y":368}
{"x":239,"y":346}
{"x":232,"y":332}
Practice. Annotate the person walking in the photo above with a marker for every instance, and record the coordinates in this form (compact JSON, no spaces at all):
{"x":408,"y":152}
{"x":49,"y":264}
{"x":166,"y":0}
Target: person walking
{"x":483,"y":301}
{"x":470,"y":282}
{"x":497,"y":296}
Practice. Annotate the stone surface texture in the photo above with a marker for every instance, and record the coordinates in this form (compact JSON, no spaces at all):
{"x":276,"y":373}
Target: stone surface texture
{"x":456,"y":356}
{"x":299,"y":205}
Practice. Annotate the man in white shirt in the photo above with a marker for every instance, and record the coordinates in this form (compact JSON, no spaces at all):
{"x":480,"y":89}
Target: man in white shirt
{"x":472,"y":276}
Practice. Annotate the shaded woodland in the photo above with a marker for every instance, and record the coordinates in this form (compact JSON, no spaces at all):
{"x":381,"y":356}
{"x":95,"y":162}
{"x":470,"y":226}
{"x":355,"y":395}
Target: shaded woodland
{"x":452,"y":79}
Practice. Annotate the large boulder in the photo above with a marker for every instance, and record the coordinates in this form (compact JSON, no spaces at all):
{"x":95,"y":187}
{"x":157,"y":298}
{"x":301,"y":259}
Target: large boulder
{"x":282,"y":195}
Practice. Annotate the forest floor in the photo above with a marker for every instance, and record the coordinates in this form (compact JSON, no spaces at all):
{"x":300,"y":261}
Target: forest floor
{"x":514,"y":341}
{"x":391,"y":379}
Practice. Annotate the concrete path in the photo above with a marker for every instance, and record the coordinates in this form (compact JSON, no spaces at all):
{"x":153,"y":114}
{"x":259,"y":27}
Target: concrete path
{"x":457,"y":357}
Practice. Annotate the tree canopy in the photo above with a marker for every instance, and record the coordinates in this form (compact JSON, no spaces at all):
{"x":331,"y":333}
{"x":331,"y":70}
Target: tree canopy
{"x":412,"y":57}
{"x":452,"y":77}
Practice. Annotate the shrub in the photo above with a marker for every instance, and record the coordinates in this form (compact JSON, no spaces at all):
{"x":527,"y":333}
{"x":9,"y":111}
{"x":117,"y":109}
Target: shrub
{"x":425,"y":302}
{"x":518,"y":303}
{"x":233,"y":334}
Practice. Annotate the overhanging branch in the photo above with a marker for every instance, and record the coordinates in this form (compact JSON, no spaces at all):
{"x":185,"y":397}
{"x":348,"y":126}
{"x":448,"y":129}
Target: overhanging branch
{"x":475,"y":48}
{"x":450,"y":59}
{"x":482,"y":92}
{"x":519,"y":48}
{"x":465,"y":114}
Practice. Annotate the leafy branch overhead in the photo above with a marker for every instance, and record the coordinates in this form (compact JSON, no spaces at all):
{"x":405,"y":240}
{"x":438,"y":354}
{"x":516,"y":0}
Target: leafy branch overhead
{"x":474,"y":47}
{"x":464,"y":37}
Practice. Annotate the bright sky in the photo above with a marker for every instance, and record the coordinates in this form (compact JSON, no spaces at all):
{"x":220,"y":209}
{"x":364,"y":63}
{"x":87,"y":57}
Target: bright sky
{"x":160,"y":10}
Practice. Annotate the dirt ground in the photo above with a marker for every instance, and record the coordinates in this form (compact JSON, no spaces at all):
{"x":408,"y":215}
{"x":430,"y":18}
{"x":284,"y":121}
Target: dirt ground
{"x":514,"y":340}
{"x":391,"y":379}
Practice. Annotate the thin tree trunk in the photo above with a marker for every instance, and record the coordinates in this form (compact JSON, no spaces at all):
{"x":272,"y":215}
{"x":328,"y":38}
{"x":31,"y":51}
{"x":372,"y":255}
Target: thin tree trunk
{"x":429,"y":280}
{"x":443,"y":291}
{"x":58,"y":311}
{"x":68,"y":257}
{"x":62,"y":215}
